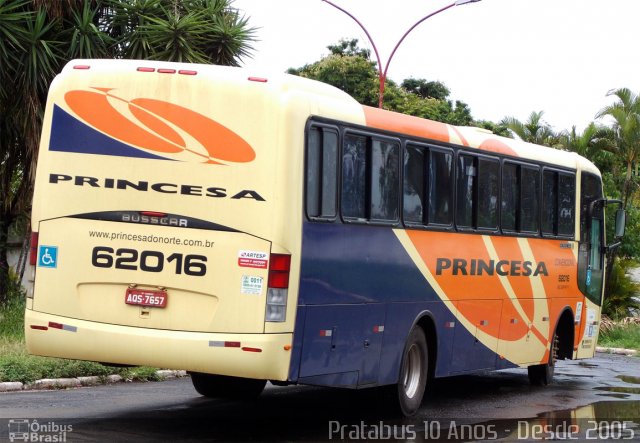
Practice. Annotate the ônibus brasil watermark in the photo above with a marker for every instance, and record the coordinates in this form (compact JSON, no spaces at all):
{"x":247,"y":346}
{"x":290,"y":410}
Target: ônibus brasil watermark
{"x":31,"y":430}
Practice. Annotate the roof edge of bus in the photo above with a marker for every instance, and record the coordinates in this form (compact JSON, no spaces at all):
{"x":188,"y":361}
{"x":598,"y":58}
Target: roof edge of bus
{"x":473,"y":137}
{"x":467,"y":136}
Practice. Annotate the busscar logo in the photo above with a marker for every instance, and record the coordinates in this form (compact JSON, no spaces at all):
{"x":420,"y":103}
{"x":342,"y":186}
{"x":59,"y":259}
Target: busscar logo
{"x":105,"y":123}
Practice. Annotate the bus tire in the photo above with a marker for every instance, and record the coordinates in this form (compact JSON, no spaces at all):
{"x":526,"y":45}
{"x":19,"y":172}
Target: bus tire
{"x":542,"y":375}
{"x":222,"y":386}
{"x":414,"y":370}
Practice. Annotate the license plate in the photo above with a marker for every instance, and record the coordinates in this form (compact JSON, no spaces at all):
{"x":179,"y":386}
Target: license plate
{"x":146,"y":297}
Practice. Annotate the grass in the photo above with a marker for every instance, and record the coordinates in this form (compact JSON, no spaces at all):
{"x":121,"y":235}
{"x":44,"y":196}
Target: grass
{"x":16,"y":364}
{"x":621,"y":336}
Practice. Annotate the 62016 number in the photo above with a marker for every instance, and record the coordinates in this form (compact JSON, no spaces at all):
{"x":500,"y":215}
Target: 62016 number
{"x":148,"y":261}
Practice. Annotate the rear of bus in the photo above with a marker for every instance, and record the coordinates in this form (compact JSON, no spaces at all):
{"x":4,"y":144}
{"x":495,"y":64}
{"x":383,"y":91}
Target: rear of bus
{"x":163,"y":233}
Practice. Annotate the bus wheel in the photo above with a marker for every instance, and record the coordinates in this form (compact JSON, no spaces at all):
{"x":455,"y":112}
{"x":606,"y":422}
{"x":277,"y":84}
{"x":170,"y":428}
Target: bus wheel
{"x":542,"y":375}
{"x":221,"y":386}
{"x":413,"y":373}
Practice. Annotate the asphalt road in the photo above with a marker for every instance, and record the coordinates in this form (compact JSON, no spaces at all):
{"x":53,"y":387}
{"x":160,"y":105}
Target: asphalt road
{"x":590,"y":400}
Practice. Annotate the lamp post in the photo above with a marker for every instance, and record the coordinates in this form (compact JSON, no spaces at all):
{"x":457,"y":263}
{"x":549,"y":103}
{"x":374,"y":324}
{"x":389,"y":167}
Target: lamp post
{"x":382,"y":74}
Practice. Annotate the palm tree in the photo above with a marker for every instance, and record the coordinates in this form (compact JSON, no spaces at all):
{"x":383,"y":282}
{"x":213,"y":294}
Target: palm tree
{"x":196,"y":31}
{"x":625,"y":133}
{"x":38,"y":37}
{"x":594,"y":143}
{"x":534,"y":130}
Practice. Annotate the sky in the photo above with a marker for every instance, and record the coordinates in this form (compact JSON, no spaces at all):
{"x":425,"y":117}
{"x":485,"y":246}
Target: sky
{"x":501,"y":57}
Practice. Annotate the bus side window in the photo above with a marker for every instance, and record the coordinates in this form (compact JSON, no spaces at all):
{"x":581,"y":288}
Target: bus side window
{"x":414,"y":185}
{"x":466,"y":182}
{"x":558,"y":203}
{"x":385,"y":180}
{"x":428,"y":186}
{"x":488,"y":182}
{"x":530,"y":199}
{"x":322,"y":158}
{"x":370,"y":179}
{"x":549,"y":202}
{"x":440,"y":187}
{"x":510,"y":197}
{"x":354,"y":162}
{"x":566,"y":204}
{"x":478,"y":180}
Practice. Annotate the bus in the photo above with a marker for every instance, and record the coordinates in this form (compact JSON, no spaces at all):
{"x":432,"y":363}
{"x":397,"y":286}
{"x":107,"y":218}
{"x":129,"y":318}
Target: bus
{"x":251,"y":228}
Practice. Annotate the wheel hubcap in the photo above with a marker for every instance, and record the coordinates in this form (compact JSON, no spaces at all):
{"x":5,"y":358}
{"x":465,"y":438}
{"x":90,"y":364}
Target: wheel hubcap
{"x":412,"y":371}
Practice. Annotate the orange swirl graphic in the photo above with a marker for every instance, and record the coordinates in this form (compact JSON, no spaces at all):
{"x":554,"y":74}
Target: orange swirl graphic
{"x":151,"y":132}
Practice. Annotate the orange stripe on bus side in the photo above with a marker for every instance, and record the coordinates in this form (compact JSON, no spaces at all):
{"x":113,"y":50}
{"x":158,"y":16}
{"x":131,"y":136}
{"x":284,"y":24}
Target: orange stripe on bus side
{"x":406,"y":124}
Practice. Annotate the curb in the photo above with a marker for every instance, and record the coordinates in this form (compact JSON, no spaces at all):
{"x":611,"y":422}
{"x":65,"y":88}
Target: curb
{"x":65,"y":383}
{"x":165,"y":374}
{"x":619,"y":351}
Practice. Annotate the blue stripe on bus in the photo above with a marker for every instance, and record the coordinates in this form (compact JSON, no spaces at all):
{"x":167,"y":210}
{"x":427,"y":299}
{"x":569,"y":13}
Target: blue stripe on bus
{"x":68,"y":134}
{"x":344,"y":263}
{"x":350,"y":280}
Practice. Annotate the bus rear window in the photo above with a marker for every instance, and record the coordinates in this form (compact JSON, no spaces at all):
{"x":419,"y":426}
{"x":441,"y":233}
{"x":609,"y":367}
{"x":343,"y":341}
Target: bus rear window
{"x":322,"y":157}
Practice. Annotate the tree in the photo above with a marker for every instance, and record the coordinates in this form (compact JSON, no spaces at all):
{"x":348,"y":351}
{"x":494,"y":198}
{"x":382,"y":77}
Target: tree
{"x":350,"y":48}
{"x":350,"y":68}
{"x":195,"y":31}
{"x":496,"y":128}
{"x":346,"y":70}
{"x":534,"y":130}
{"x":426,"y":89}
{"x":624,"y":136}
{"x":37,"y":38}
{"x":594,"y":142}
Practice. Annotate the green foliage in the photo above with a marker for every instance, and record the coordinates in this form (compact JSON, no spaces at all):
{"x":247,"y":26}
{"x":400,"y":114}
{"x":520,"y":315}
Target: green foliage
{"x":624,"y":134}
{"x":12,"y":313}
{"x":195,"y":31}
{"x":141,"y":373}
{"x":86,"y":39}
{"x":349,"y":48}
{"x":28,"y":368}
{"x":620,"y":300}
{"x":534,"y":130}
{"x":426,"y":89}
{"x":497,"y":128}
{"x":630,"y":247}
{"x":592,"y":143}
{"x":17,"y":365}
{"x":349,"y":68}
{"x":625,"y":336}
{"x":352,"y":73}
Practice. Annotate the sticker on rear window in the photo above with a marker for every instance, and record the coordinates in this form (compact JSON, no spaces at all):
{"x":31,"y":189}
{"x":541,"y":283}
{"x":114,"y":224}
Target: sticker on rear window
{"x":253,"y":259}
{"x":251,"y":285}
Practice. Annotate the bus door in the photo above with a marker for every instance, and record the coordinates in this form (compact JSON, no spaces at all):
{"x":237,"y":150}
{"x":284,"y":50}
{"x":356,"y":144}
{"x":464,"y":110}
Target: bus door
{"x":595,"y":268}
{"x":591,"y":260}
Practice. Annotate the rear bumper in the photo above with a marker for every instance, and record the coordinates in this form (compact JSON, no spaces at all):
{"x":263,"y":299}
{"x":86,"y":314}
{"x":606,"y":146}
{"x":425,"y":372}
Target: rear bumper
{"x":192,"y":351}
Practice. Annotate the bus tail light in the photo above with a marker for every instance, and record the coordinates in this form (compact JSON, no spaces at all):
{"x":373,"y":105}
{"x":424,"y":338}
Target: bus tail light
{"x":277,"y":287}
{"x":33,"y":249}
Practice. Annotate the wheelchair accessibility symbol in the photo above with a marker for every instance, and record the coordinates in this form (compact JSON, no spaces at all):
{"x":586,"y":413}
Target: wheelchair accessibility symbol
{"x":48,"y":256}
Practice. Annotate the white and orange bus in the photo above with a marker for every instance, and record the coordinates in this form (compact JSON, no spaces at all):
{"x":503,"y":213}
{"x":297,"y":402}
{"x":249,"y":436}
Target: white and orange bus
{"x":250,"y":228}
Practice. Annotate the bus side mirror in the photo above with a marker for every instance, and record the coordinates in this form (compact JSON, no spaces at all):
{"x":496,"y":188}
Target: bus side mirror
{"x":621,"y":222}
